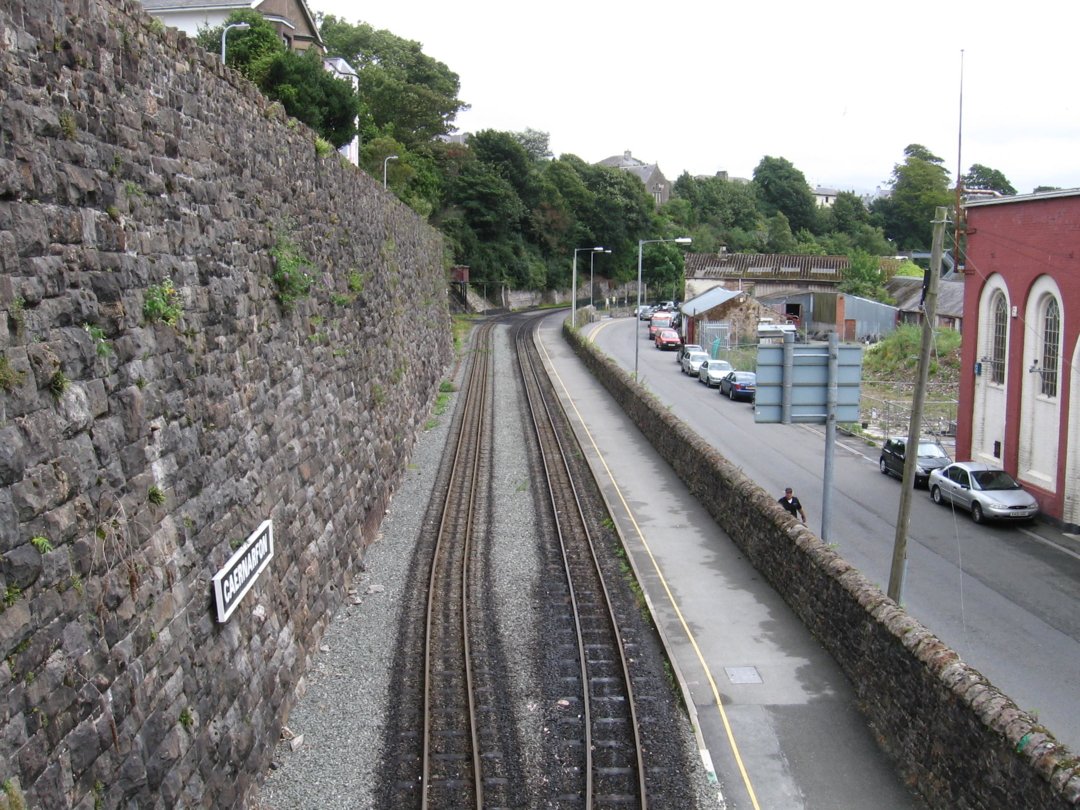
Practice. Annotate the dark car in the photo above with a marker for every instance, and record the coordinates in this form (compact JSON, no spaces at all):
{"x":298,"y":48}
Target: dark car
{"x":739,"y":385}
{"x":932,"y":456}
{"x":985,"y":491}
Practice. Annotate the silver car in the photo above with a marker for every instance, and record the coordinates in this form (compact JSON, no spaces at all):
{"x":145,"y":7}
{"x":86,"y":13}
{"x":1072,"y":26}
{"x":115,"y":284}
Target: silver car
{"x":989,"y":493}
{"x":712,"y":371}
{"x":691,"y":362}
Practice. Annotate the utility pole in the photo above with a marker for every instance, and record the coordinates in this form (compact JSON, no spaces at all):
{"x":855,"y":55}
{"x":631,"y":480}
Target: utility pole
{"x":911,"y":450}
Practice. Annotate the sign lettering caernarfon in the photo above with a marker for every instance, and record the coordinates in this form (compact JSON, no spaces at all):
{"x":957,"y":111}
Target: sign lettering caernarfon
{"x":238,"y":575}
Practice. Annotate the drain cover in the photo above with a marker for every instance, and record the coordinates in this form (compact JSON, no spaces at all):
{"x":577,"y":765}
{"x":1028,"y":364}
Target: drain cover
{"x":743,"y":674}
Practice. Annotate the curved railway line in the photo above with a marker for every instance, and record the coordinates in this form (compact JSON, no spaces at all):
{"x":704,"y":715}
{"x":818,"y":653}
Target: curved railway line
{"x":452,"y":734}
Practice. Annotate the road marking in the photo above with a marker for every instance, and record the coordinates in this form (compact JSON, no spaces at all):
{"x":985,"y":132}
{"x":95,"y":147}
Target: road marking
{"x":667,"y":590}
{"x":1048,"y":543}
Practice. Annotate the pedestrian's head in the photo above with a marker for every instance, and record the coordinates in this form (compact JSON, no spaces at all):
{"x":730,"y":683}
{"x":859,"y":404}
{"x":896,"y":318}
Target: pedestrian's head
{"x":787,"y":491}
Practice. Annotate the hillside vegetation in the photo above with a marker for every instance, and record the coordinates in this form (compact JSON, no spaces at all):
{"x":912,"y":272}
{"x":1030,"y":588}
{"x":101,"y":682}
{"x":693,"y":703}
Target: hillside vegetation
{"x":895,"y":360}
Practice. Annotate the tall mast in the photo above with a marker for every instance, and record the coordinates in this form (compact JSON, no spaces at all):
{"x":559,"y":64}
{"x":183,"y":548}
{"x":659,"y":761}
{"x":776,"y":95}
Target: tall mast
{"x":959,"y":171}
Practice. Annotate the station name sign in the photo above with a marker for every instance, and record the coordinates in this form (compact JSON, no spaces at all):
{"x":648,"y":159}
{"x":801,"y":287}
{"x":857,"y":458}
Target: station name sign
{"x":238,"y":575}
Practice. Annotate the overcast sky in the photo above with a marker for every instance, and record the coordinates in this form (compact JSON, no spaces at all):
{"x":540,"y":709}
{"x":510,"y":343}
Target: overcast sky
{"x":837,"y":87}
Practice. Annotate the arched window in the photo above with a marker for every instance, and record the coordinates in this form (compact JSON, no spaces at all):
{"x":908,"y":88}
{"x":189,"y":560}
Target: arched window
{"x":997,"y":343}
{"x":1051,"y":341}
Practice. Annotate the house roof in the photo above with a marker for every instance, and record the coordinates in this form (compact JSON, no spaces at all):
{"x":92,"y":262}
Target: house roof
{"x":644,"y":171}
{"x":710,"y":299}
{"x":198,"y":5}
{"x":907,"y":291}
{"x":767,"y":267}
{"x":227,"y":7}
{"x":1019,"y":198}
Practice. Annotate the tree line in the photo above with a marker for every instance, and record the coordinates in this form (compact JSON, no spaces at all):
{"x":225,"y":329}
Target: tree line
{"x":514,"y":213}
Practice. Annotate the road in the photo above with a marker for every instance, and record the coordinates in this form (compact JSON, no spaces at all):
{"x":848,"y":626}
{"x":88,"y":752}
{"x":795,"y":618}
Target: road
{"x":1006,"y":598}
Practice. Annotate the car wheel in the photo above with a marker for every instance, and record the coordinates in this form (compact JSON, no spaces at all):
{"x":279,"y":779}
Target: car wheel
{"x":883,"y":467}
{"x":935,"y":493}
{"x":977,"y":512}
{"x":731,"y":394}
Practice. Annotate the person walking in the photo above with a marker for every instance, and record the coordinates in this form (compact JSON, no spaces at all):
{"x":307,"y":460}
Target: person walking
{"x":793,"y":505}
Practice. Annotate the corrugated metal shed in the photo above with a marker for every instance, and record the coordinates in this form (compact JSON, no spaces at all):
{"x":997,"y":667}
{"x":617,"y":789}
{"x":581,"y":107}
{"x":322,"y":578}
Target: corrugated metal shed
{"x":767,"y":267}
{"x":708,"y":300}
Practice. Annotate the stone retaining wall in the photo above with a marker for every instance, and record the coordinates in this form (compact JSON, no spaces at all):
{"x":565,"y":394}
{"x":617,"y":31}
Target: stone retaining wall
{"x":955,"y":738}
{"x":140,"y":180}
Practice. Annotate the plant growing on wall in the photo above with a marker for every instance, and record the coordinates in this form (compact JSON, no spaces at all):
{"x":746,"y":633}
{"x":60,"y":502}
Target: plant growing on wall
{"x":290,"y":274}
{"x":162,"y":304}
{"x":10,"y":378}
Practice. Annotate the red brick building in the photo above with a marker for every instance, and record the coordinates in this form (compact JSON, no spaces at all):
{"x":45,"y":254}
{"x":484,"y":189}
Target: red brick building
{"x":1021,"y":358}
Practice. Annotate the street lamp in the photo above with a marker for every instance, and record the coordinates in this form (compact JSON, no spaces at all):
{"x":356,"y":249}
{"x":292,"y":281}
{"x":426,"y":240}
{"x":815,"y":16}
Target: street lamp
{"x":386,"y":160}
{"x":591,"y":285}
{"x":573,"y":284}
{"x":681,"y":240}
{"x":241,"y":25}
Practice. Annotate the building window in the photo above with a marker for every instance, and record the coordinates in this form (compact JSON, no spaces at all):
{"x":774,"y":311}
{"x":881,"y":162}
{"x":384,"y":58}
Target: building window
{"x":1051,"y":337}
{"x":997,"y":347}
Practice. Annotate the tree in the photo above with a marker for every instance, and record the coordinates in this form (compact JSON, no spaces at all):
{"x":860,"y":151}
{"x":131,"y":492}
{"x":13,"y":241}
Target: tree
{"x":780,"y":238}
{"x":985,"y":178}
{"x":307,"y":91}
{"x":865,"y":278}
{"x":505,"y":154}
{"x":248,"y":50}
{"x":920,"y":184}
{"x":406,"y":94}
{"x":782,"y":188}
{"x":535,"y":143}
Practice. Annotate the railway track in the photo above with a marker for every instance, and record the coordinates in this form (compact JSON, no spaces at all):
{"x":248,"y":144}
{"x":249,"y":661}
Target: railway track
{"x":612,"y":769}
{"x":452,"y":732}
{"x":453,"y":768}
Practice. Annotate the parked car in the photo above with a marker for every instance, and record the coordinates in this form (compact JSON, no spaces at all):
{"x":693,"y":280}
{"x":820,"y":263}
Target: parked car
{"x":687,"y":348}
{"x":691,"y":363}
{"x":987,"y":492}
{"x":668,"y":339}
{"x":739,"y":385}
{"x":712,"y":371}
{"x":660,"y":320}
{"x":932,"y":456}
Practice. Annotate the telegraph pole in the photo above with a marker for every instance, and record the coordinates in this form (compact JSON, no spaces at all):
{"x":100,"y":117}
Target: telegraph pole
{"x":911,"y":451}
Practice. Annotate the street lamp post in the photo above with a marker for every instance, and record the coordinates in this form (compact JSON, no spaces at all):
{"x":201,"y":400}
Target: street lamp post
{"x":573,"y":284}
{"x":681,"y":240}
{"x":226,"y":30}
{"x":386,"y":160}
{"x":591,"y":285}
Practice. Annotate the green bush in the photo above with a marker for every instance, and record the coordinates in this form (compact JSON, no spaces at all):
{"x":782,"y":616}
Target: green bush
{"x":162,"y":304}
{"x":290,"y":273}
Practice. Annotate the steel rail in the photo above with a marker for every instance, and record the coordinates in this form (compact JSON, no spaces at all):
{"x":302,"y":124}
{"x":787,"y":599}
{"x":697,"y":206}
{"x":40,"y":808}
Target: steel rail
{"x":466,"y":468}
{"x":543,"y":410}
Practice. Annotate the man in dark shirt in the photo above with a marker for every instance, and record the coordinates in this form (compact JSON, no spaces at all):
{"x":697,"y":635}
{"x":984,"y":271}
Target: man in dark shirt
{"x":792,"y":504}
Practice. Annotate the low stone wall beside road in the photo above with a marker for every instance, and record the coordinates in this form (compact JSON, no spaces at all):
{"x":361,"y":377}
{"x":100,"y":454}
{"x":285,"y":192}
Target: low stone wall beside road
{"x":955,"y":738}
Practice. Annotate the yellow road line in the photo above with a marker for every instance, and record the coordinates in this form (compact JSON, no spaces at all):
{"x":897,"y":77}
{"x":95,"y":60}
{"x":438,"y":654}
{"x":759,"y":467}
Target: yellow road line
{"x":663,"y":581}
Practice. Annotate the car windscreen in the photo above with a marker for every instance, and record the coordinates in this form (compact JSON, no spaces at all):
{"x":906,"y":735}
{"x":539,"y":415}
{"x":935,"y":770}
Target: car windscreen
{"x":931,"y":450}
{"x":994,"y":479}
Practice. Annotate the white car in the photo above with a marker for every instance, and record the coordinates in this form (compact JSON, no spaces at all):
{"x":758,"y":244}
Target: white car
{"x":712,"y":371}
{"x":691,"y":362}
{"x":987,"y":492}
{"x":685,"y":350}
